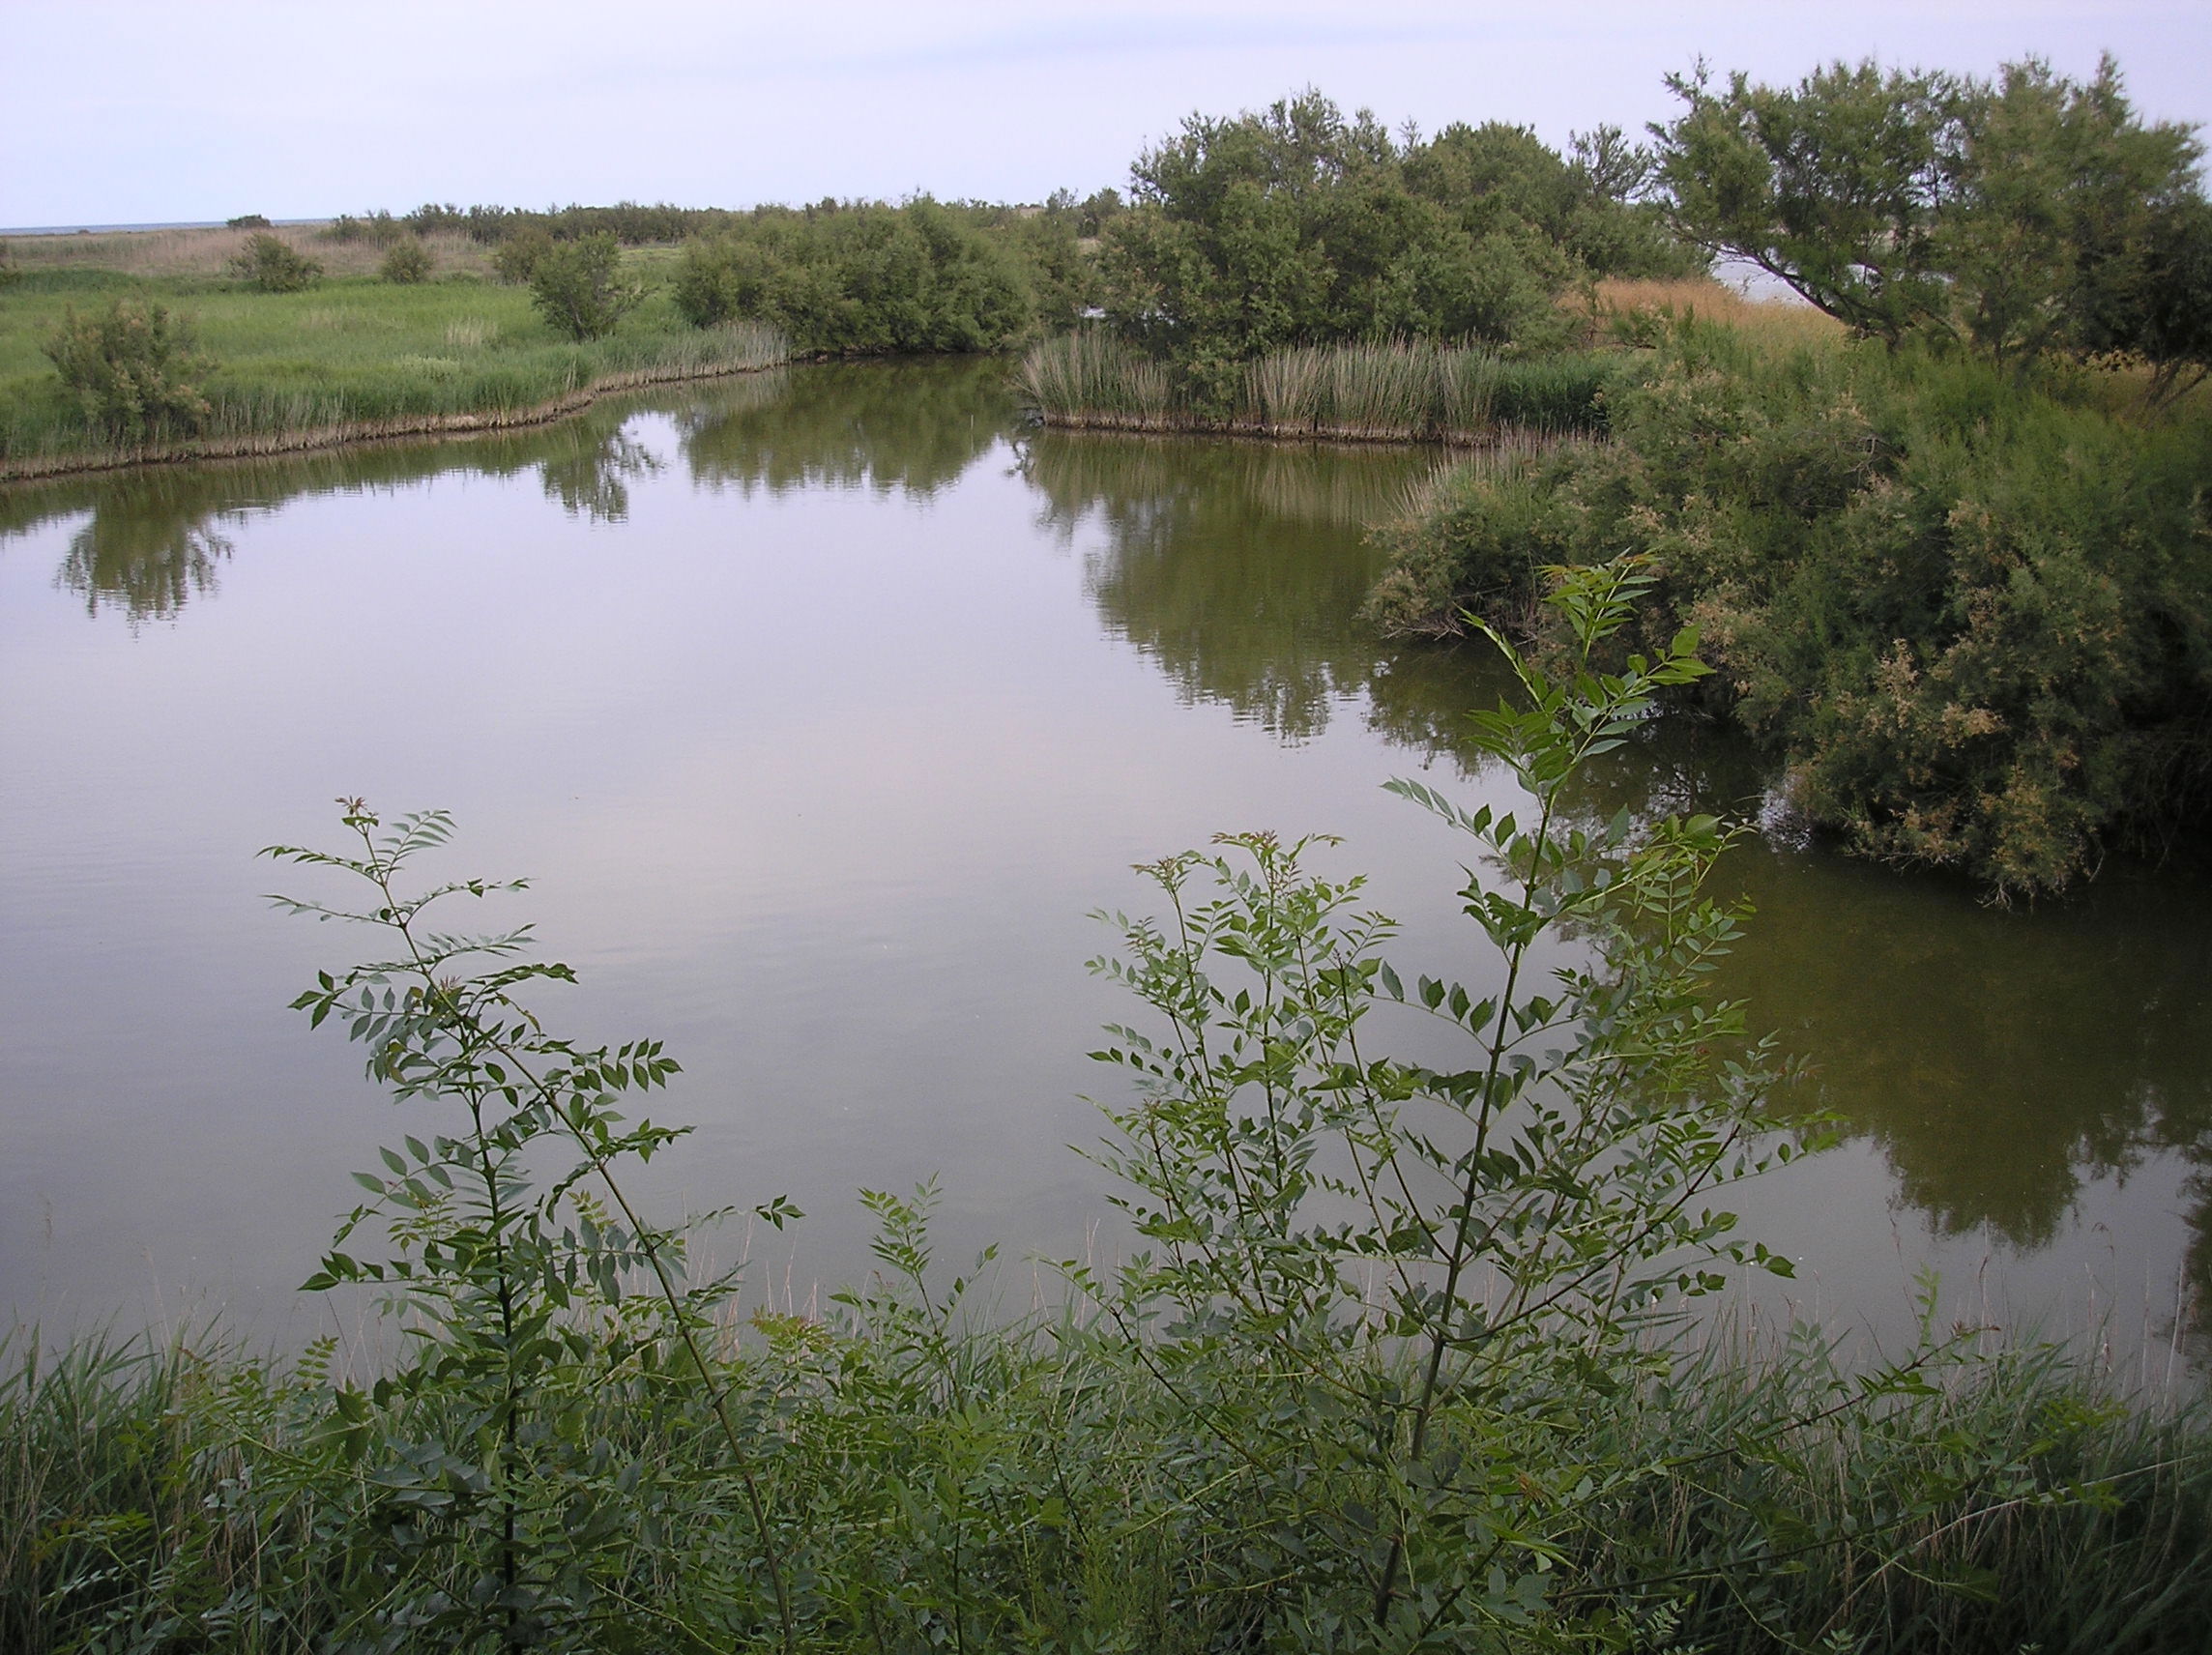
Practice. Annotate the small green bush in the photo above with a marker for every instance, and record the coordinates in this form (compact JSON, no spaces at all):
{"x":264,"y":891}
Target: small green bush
{"x":246,"y":221}
{"x":577,"y":287}
{"x":407,"y":263}
{"x":131,"y":371}
{"x":515,"y":259}
{"x":273,"y":265}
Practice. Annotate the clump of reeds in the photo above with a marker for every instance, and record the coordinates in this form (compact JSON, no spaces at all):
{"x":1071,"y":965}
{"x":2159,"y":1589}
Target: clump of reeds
{"x":1089,"y":377}
{"x":1386,"y":391}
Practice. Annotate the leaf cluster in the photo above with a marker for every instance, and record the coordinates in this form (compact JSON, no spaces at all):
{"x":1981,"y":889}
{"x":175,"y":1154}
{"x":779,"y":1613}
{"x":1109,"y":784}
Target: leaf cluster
{"x":133,"y":371}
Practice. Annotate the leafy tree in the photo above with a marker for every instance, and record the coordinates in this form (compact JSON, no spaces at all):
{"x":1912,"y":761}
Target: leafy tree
{"x":246,"y":221}
{"x":577,"y":287}
{"x":133,"y":371}
{"x":273,"y":265}
{"x":2016,"y":216}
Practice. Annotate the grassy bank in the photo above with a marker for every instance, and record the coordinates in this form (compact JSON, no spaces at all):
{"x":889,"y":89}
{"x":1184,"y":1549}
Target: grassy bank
{"x":347,"y":358}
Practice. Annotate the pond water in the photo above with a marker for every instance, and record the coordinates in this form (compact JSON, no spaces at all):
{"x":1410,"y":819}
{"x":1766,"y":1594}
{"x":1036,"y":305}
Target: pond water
{"x":823,"y":708}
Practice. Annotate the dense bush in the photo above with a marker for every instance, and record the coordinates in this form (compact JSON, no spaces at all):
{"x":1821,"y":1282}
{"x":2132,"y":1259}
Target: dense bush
{"x":273,"y":265}
{"x":246,"y":221}
{"x":407,"y":263}
{"x":577,"y":286}
{"x":865,"y":280}
{"x":131,"y":371}
{"x":1971,"y":615}
{"x":1297,"y":228}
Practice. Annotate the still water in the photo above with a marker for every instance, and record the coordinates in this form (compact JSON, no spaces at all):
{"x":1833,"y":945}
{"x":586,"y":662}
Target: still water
{"x":823,"y":708}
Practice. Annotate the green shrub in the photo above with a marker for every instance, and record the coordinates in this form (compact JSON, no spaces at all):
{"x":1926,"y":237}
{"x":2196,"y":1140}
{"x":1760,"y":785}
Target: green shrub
{"x":407,"y":263}
{"x":131,"y":371}
{"x":1969,"y":615}
{"x":273,"y":265}
{"x":577,"y":287}
{"x":865,"y":280}
{"x":515,"y":259}
{"x":246,"y":221}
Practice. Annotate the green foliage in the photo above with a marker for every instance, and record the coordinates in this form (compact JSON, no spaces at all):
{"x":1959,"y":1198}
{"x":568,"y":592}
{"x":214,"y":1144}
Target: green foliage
{"x":247,"y":221}
{"x":515,"y":258}
{"x":522,"y":1291}
{"x":408,"y":262}
{"x":577,"y":286}
{"x":2019,"y":216}
{"x":867,"y":279}
{"x":630,"y":223}
{"x":1382,"y":1277}
{"x":273,"y":265}
{"x":131,"y":371}
{"x":1298,"y":227}
{"x":1968,"y":614}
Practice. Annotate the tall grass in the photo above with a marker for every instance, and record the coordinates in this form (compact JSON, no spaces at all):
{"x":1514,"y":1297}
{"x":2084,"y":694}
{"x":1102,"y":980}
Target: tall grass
{"x":1397,"y":391}
{"x":953,"y":1480}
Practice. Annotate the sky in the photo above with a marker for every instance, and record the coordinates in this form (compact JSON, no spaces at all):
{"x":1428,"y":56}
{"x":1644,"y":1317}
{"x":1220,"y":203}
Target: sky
{"x":121,"y":111}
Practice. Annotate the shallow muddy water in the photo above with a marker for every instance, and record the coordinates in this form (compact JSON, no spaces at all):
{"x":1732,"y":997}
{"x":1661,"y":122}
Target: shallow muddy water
{"x":823,"y":708}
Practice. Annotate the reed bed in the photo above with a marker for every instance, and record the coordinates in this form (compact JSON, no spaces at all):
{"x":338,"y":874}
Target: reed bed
{"x":1397,"y":391}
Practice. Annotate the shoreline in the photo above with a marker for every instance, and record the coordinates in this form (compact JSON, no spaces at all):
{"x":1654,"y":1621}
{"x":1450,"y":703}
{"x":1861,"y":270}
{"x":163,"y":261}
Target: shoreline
{"x":361,"y":432}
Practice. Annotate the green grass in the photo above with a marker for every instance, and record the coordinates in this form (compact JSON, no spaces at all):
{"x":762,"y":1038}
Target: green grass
{"x":347,"y":352}
{"x":1395,"y":391}
{"x":1027,"y":1484}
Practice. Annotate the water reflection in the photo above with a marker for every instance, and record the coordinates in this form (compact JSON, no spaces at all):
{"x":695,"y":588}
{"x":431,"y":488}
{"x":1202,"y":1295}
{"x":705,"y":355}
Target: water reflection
{"x":1238,"y":567}
{"x":151,"y":547}
{"x":910,"y":425}
{"x":152,"y":538}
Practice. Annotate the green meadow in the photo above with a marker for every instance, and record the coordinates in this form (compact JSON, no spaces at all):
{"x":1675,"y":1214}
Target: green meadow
{"x":345,"y":351}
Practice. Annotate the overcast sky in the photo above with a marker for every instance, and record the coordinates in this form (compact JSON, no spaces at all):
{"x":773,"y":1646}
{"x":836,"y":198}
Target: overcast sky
{"x":118,"y":111}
